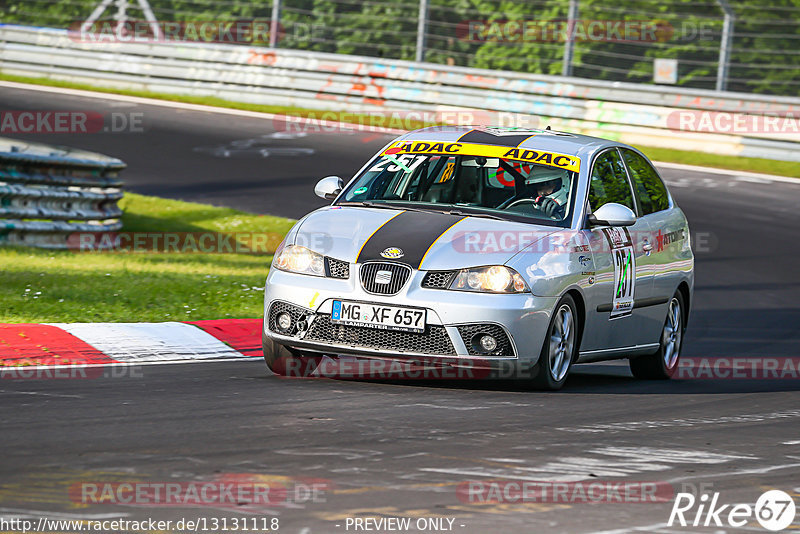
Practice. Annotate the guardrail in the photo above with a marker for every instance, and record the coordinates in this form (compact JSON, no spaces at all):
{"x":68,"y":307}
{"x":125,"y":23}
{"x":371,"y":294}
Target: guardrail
{"x":635,"y":114}
{"x":48,"y":194}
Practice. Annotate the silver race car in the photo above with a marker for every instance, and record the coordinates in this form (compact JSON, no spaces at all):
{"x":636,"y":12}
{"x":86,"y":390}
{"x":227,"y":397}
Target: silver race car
{"x":487,"y":248}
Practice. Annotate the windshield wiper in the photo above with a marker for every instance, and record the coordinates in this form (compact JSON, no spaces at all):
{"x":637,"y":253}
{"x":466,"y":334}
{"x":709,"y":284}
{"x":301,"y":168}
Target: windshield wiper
{"x":383,"y":205}
{"x":483,"y":215}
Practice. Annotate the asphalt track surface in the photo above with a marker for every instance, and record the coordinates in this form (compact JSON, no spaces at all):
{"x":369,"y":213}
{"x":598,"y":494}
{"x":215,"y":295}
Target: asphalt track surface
{"x":403,"y":449}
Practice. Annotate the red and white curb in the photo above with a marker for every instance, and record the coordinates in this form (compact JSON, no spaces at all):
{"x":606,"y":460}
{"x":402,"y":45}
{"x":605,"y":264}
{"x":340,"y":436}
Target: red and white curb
{"x":59,"y":344}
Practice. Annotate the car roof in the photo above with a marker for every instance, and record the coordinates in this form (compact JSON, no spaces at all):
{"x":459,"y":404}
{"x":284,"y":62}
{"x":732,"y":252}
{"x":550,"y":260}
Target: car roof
{"x":525,"y":138}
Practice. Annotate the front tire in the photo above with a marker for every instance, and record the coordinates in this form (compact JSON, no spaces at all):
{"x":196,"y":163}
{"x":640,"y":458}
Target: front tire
{"x":560,"y":346}
{"x":286,"y":362}
{"x":664,"y":363}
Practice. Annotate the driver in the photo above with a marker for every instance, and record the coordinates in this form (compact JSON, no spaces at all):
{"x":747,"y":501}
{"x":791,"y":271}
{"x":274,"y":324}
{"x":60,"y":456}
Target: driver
{"x":548,"y":187}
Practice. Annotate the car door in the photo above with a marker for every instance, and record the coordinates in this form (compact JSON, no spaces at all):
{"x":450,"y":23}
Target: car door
{"x":623,"y":275}
{"x":669,"y":236}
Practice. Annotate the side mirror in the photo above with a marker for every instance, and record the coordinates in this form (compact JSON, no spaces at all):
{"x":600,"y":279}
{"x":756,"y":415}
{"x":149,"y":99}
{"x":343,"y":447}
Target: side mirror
{"x":329,"y":187}
{"x":613,"y":214}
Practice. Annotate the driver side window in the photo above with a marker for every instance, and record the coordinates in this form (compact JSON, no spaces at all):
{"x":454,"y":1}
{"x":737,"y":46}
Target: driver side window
{"x":609,"y":183}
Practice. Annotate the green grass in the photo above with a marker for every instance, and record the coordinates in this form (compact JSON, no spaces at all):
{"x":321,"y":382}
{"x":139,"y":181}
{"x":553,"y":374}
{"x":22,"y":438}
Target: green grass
{"x":768,"y":166}
{"x":65,"y":286}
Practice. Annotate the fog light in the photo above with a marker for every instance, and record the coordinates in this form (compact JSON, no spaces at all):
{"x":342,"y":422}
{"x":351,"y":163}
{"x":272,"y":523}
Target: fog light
{"x":284,"y":321}
{"x":488,"y":343}
{"x":484,"y":343}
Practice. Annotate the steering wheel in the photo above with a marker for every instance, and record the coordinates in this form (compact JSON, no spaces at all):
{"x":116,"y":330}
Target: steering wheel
{"x":536,"y":206}
{"x":520,"y":201}
{"x":513,"y":200}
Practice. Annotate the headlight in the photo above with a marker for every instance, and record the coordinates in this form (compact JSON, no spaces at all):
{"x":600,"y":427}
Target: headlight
{"x":297,"y":259}
{"x":493,"y":279}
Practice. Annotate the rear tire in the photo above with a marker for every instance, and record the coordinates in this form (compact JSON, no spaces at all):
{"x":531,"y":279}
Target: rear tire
{"x":560,"y":347}
{"x":284,"y":361}
{"x":664,"y":363}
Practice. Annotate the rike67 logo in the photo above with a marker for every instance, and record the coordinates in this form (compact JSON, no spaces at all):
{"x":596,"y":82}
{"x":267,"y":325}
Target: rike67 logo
{"x":774,"y":510}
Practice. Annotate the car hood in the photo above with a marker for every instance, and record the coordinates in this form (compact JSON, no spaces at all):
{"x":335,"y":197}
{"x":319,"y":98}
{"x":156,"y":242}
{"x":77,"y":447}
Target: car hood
{"x":427,"y":240}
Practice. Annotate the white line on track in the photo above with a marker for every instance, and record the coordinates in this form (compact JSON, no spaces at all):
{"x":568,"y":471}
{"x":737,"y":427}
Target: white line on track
{"x":689,"y":422}
{"x":194,"y":107}
{"x":458,"y":408}
{"x":754,"y":471}
{"x":655,"y":527}
{"x":42,"y":394}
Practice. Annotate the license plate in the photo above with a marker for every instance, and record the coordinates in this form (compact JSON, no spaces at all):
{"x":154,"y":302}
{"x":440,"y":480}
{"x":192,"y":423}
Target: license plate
{"x":397,"y":318}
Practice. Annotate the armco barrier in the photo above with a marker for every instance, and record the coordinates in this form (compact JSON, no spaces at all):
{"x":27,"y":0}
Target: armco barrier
{"x":636,"y":114}
{"x":47,"y":193}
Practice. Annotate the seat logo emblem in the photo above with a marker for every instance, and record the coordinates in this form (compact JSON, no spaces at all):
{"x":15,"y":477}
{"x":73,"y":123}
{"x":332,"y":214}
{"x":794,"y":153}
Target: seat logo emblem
{"x":392,"y":253}
{"x":383,"y":277}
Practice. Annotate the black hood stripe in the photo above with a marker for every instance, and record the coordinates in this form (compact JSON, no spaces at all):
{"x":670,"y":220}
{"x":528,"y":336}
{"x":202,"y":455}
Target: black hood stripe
{"x":412,"y":231}
{"x":364,"y":244}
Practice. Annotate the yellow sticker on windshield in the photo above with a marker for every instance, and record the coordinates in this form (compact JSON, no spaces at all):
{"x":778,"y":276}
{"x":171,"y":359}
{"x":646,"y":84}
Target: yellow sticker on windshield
{"x":540,"y":157}
{"x":447,"y":174}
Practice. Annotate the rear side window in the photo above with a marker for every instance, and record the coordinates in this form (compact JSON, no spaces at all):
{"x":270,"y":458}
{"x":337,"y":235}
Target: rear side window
{"x":650,"y":190}
{"x":609,"y":183}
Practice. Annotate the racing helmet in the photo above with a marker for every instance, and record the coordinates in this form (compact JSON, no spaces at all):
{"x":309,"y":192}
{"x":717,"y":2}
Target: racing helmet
{"x":550,"y":178}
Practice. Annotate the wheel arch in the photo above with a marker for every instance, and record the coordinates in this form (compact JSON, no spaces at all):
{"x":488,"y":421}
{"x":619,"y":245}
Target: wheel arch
{"x":683,"y":288}
{"x":580,"y":303}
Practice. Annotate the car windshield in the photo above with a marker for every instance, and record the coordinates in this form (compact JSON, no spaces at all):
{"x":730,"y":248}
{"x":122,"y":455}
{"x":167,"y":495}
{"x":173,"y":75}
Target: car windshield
{"x":514,"y":189}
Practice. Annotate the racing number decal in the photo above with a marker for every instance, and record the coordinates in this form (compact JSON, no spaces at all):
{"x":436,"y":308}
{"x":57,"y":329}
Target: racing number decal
{"x":624,"y":271}
{"x":406,"y":162}
{"x":624,"y":281}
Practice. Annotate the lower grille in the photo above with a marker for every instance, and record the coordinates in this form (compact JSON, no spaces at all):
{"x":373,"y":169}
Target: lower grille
{"x":470,"y":331}
{"x":295,"y":312}
{"x":433,"y":341}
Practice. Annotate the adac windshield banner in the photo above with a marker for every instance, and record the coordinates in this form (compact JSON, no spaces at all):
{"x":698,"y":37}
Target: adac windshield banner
{"x":541,"y":157}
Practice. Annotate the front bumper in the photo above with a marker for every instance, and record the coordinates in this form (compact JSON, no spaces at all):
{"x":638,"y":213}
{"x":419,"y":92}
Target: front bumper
{"x":453,"y":318}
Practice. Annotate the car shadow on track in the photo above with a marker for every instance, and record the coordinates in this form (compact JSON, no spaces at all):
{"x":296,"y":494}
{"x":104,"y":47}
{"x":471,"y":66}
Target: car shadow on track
{"x":592,"y":379}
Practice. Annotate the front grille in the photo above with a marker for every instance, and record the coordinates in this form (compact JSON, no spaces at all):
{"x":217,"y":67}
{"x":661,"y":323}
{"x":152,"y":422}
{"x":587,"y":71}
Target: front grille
{"x":337,"y":268}
{"x":399,"y":277}
{"x":438,"y":279}
{"x":433,"y":341}
{"x":295,"y":312}
{"x":469,"y":331}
